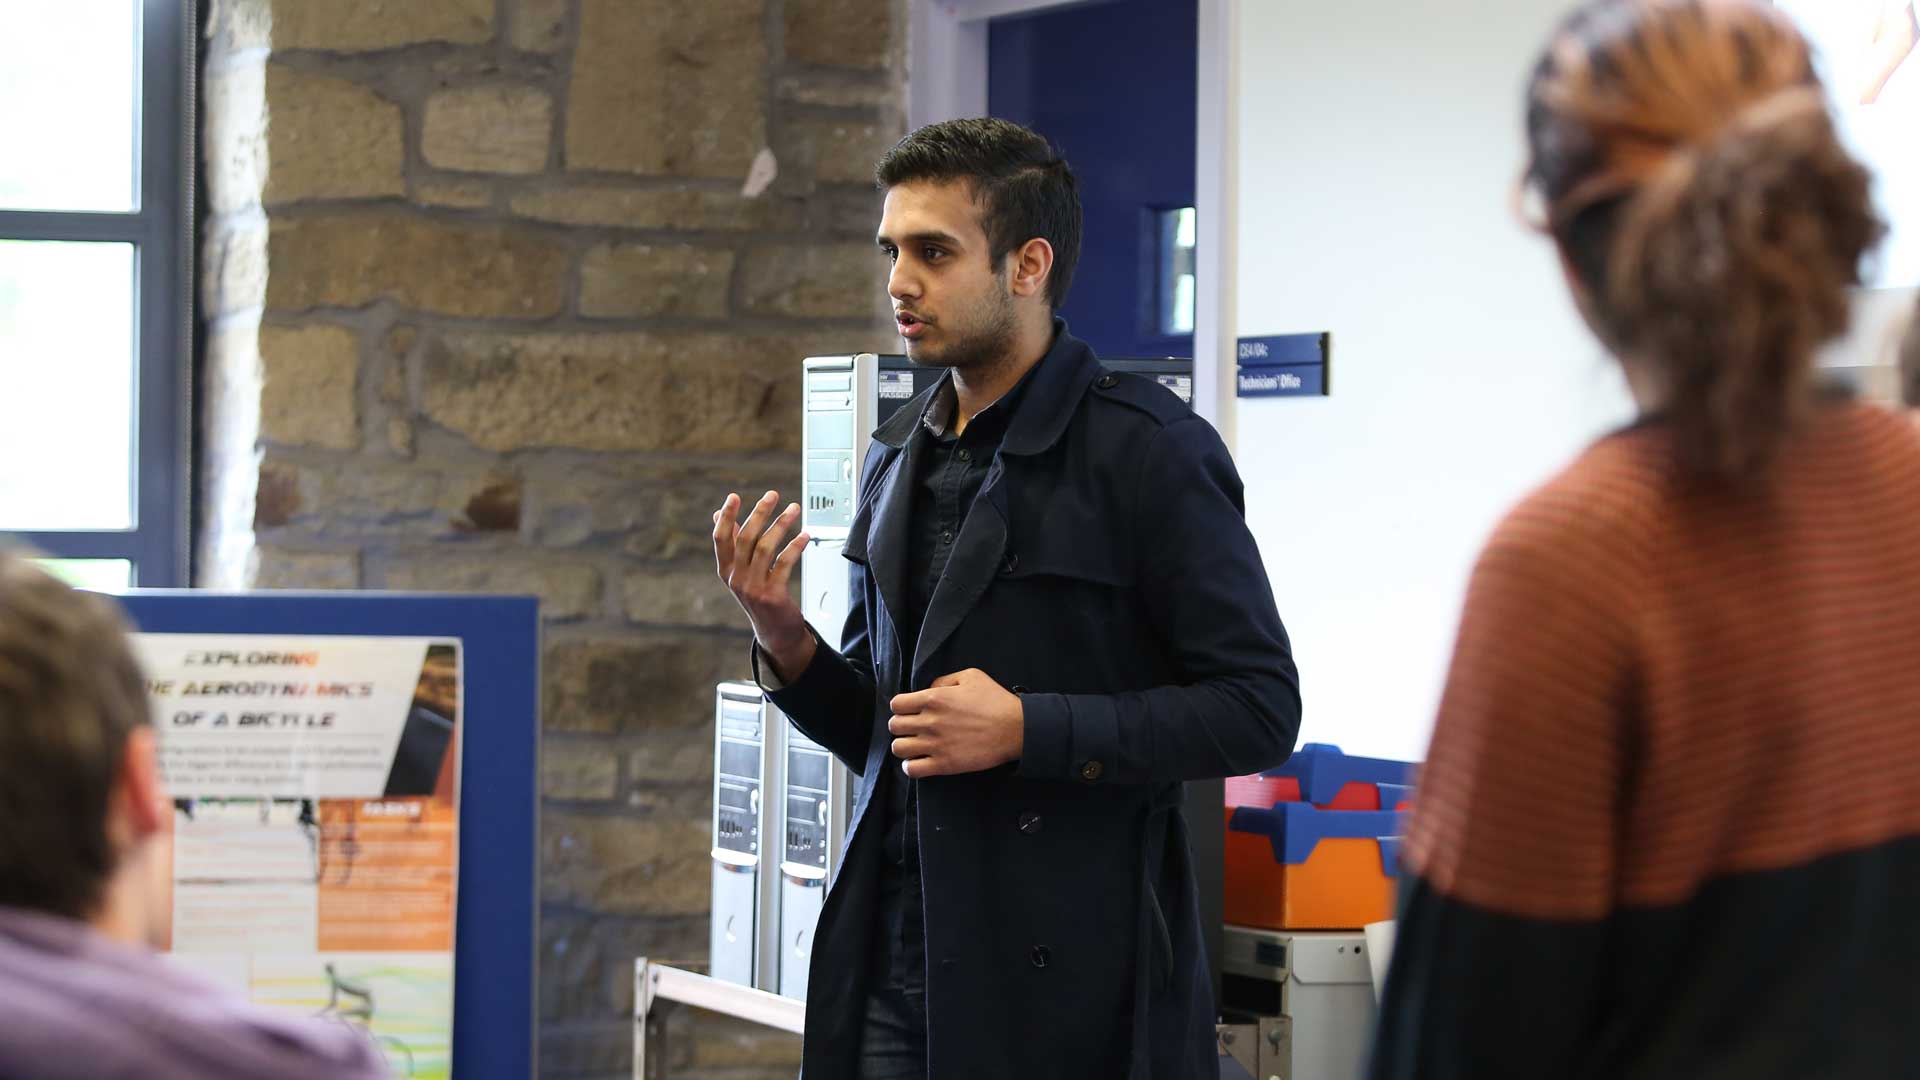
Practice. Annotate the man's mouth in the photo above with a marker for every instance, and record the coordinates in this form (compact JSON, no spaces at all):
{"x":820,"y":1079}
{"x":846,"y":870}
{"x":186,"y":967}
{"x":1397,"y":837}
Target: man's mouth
{"x":911,"y":325}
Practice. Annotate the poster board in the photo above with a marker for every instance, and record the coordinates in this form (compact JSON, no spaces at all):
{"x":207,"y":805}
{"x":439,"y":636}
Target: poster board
{"x":355,"y":784}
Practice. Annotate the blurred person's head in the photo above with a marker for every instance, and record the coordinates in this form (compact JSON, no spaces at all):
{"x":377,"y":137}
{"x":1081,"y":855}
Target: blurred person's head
{"x":1709,"y":218}
{"x":84,"y":821}
{"x":982,"y":221}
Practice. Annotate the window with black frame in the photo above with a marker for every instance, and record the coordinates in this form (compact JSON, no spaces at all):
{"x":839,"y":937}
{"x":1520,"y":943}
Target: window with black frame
{"x":95,"y":110}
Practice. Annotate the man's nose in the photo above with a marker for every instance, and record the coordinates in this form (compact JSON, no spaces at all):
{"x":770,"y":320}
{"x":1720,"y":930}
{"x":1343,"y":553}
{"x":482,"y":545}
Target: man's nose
{"x":902,"y":282}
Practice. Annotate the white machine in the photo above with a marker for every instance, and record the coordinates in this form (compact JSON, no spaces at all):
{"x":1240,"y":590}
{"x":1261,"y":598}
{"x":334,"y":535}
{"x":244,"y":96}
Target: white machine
{"x":1307,"y":1000}
{"x":746,"y":766}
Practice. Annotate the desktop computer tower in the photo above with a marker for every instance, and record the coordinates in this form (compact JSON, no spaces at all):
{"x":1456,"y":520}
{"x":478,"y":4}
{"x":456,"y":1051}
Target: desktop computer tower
{"x":746,"y":768}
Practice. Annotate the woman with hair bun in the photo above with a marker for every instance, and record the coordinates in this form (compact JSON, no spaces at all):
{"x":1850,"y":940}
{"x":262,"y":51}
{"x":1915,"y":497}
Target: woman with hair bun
{"x":1670,"y":822}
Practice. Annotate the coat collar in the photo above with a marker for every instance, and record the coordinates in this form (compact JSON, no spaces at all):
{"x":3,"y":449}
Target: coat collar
{"x":1053,"y":389}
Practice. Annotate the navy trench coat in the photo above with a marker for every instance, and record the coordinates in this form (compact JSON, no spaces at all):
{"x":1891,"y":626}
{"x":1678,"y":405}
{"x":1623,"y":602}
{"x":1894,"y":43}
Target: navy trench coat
{"x":1105,"y":573}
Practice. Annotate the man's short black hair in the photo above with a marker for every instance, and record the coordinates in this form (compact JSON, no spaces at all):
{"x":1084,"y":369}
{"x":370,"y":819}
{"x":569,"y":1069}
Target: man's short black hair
{"x":1024,"y":188}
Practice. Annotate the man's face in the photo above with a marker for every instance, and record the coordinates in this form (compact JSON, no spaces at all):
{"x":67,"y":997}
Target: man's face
{"x":952,"y":304}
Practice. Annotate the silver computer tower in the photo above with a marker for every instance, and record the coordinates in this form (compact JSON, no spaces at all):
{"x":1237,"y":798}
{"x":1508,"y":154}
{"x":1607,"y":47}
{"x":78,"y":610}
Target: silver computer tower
{"x":814,"y":834}
{"x":746,"y":770}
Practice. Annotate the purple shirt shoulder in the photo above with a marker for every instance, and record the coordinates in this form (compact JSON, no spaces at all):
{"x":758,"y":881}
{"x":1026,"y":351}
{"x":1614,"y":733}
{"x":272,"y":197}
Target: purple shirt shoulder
{"x":75,"y":1005}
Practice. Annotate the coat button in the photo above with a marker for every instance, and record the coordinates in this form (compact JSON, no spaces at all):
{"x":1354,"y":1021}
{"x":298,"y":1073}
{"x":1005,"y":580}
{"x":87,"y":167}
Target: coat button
{"x":1018,"y":689}
{"x":1011,"y":563}
{"x":965,"y":454}
{"x":1092,"y":770}
{"x":1107,"y":382}
{"x":947,"y":537}
{"x":1030,"y":823}
{"x":1041,"y":956}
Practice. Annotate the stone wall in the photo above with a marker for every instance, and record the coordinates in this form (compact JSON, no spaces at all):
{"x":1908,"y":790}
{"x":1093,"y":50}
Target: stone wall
{"x":504,"y":296}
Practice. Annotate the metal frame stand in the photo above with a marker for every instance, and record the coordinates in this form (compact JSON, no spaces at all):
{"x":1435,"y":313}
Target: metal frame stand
{"x":655,"y":985}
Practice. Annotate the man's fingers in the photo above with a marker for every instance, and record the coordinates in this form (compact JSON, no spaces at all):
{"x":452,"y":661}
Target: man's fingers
{"x":789,"y":558}
{"x":768,"y":546}
{"x":908,"y":704}
{"x":922,"y":767}
{"x":723,"y":526}
{"x":750,"y":530}
{"x":908,"y":725}
{"x":908,"y":749}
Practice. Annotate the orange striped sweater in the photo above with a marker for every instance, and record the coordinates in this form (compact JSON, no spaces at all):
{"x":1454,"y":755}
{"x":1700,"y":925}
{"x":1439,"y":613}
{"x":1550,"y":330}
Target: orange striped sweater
{"x":1669,"y":822}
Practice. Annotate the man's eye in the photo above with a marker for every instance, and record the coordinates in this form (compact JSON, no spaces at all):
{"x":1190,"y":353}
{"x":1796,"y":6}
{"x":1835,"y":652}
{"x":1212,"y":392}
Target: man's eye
{"x":892,"y":254}
{"x":933,"y":254}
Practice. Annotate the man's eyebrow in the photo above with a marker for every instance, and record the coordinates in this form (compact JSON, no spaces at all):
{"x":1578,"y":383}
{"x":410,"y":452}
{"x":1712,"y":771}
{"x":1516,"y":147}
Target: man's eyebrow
{"x":935,"y":237}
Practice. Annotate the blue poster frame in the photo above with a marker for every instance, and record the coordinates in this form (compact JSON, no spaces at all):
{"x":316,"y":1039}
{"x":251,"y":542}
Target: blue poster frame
{"x":496,"y":964}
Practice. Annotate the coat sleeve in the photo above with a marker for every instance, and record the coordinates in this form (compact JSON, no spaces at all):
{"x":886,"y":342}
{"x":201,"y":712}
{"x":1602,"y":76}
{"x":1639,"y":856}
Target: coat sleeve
{"x":832,"y":700}
{"x":1236,"y":706}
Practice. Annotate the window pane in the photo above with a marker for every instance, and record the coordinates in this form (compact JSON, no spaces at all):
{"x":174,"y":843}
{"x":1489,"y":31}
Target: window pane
{"x":69,"y":72}
{"x":67,"y":363}
{"x":1178,"y":232}
{"x":99,"y":575}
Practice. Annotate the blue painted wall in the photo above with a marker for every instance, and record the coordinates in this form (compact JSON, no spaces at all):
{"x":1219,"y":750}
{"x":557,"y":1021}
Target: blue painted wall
{"x":1113,"y":85}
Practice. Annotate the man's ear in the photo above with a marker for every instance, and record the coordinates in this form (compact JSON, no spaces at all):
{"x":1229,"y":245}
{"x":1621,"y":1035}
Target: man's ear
{"x":1030,"y":268}
{"x":139,"y":790}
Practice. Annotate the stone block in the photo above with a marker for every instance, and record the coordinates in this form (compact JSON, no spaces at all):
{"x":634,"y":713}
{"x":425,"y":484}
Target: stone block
{"x":308,"y":397}
{"x":643,"y":684}
{"x":538,"y":25}
{"x":470,"y":270}
{"x":567,"y":590}
{"x":673,"y":87}
{"x":589,"y":1050}
{"x":233,"y":266}
{"x":839,"y":151}
{"x":234,"y":140}
{"x":493,"y":506}
{"x":676,"y":754}
{"x":682,"y":594}
{"x":832,"y":281}
{"x":626,"y":391}
{"x":731,"y":1043}
{"x":840,"y":33}
{"x":635,"y":280}
{"x":489,"y":129}
{"x":277,"y":498}
{"x":653,"y":510}
{"x":366,"y":25}
{"x":372,"y":499}
{"x":624,"y":865}
{"x":330,"y":139}
{"x":586,"y":961}
{"x":280,"y":568}
{"x":576,"y":769}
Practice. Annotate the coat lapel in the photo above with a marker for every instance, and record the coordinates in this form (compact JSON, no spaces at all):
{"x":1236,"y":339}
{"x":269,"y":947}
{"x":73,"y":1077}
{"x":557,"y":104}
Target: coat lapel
{"x":1049,"y":401}
{"x":887,"y":532}
{"x":970,"y":569}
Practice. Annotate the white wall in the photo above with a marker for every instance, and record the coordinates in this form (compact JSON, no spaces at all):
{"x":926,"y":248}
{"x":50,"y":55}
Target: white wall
{"x":1378,"y":144}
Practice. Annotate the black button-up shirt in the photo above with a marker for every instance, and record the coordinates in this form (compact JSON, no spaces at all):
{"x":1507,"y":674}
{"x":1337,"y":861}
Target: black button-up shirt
{"x":950,"y":471}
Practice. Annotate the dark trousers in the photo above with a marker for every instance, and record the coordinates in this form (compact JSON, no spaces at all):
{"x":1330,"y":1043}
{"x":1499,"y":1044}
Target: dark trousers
{"x":893,"y":1041}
